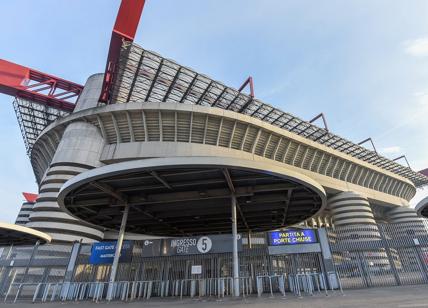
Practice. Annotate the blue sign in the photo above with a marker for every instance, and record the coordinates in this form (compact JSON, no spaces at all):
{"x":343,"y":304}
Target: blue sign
{"x":103,"y":252}
{"x":292,"y":237}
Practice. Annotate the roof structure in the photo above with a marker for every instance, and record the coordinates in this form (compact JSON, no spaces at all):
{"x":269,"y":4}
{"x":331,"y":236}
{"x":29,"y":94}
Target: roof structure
{"x":19,"y":235}
{"x":33,"y":117}
{"x":144,"y":76}
{"x":190,"y":196}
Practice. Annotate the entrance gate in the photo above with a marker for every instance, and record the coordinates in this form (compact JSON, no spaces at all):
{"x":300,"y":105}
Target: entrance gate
{"x":142,"y":276}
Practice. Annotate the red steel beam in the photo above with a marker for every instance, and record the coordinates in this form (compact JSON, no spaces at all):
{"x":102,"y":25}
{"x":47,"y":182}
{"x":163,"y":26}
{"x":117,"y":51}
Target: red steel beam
{"x":124,"y":29}
{"x":29,"y":197}
{"x":23,"y":82}
{"x":248,"y":81}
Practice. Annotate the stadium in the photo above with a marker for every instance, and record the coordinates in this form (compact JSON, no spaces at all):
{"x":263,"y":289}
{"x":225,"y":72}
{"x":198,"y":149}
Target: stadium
{"x":160,"y":151}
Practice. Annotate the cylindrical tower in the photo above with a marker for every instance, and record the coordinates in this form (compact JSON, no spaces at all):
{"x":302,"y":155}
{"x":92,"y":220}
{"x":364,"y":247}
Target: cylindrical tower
{"x":354,"y":221}
{"x":353,"y":217}
{"x":79,"y":150}
{"x":407,"y":221}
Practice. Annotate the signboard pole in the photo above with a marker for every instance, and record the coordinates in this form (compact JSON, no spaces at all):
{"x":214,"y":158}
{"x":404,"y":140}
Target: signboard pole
{"x":235,"y":249}
{"x":117,"y":253}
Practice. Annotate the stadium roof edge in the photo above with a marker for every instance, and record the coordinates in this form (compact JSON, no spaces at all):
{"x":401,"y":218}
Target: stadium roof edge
{"x":144,"y":75}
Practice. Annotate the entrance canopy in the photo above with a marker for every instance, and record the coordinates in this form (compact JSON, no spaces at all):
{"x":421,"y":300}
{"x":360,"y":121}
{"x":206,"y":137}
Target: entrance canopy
{"x":192,"y":195}
{"x":19,"y":235}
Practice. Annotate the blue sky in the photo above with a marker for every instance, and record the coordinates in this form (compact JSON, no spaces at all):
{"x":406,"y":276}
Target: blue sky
{"x":363,"y":63}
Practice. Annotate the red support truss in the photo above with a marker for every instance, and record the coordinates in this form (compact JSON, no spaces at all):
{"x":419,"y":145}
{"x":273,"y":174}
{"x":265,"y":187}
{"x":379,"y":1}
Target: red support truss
{"x":124,"y":29}
{"x":32,"y":85}
{"x":29,"y":197}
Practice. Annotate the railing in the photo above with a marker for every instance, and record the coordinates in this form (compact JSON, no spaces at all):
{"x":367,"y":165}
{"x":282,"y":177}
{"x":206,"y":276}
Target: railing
{"x":307,"y":283}
{"x":133,"y":290}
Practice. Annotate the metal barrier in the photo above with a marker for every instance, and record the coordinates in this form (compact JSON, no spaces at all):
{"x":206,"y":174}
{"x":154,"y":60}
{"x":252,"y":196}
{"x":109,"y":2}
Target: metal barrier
{"x":274,"y":283}
{"x":134,"y":290}
{"x":397,"y":256}
{"x":296,"y":283}
{"x":143,"y":290}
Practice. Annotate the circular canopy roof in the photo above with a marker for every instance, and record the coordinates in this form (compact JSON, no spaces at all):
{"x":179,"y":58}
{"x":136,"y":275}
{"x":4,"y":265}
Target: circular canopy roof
{"x":191,"y":196}
{"x":422,"y":207}
{"x":19,"y":235}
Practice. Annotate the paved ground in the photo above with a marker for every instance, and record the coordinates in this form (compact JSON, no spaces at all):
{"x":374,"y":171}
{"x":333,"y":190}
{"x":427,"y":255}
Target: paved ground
{"x":399,"y":297}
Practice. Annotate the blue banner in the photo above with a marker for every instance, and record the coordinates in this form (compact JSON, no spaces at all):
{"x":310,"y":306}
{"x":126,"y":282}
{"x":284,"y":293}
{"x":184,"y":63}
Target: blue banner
{"x":292,"y":237}
{"x":103,"y":252}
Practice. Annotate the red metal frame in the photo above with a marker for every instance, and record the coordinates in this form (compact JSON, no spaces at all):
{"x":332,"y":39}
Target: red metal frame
{"x":246,"y":82}
{"x":20,"y":81}
{"x":30,"y":197}
{"x":124,"y":29}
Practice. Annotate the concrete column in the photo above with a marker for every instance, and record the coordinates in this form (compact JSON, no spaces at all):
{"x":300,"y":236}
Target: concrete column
{"x":235,"y":248}
{"x":353,"y":217}
{"x":354,"y":221}
{"x":407,"y":221}
{"x":79,"y":150}
{"x":117,"y":253}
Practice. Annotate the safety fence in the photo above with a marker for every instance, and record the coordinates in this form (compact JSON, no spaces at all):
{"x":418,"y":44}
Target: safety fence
{"x":299,"y":284}
{"x":393,"y":254}
{"x":389,"y":255}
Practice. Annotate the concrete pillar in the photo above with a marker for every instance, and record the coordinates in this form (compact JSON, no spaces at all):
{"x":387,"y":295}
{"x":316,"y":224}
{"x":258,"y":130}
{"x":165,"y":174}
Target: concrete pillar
{"x":79,"y":150}
{"x":91,"y":93}
{"x":407,"y":221}
{"x":117,"y":253}
{"x":235,"y":260}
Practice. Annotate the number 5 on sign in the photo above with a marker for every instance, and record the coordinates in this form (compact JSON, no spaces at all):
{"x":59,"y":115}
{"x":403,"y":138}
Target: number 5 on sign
{"x":204,"y":244}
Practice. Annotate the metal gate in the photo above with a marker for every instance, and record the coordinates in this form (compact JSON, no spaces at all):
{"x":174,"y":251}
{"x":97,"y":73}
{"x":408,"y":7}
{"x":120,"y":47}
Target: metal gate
{"x":397,"y":258}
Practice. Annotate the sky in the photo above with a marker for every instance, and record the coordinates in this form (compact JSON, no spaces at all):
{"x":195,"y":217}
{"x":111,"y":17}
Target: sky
{"x":363,"y":63}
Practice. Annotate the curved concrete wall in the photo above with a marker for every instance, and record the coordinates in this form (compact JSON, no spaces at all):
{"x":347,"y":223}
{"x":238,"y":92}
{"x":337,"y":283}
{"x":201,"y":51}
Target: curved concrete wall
{"x":137,"y":130}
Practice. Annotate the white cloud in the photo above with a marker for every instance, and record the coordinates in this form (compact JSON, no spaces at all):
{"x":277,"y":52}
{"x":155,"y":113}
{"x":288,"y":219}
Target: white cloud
{"x":417,"y":47}
{"x":422,"y":98}
{"x":420,"y":194}
{"x":390,"y":150}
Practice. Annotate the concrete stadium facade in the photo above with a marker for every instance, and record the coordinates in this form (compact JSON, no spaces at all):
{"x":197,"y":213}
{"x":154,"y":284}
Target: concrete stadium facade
{"x":24,"y":213}
{"x":96,"y":141}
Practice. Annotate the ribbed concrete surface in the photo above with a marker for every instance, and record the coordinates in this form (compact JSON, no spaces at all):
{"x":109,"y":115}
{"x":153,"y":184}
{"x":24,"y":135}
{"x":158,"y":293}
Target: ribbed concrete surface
{"x":49,"y":218}
{"x":407,"y":220}
{"x":129,"y":133}
{"x":354,"y":222}
{"x":24,"y":213}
